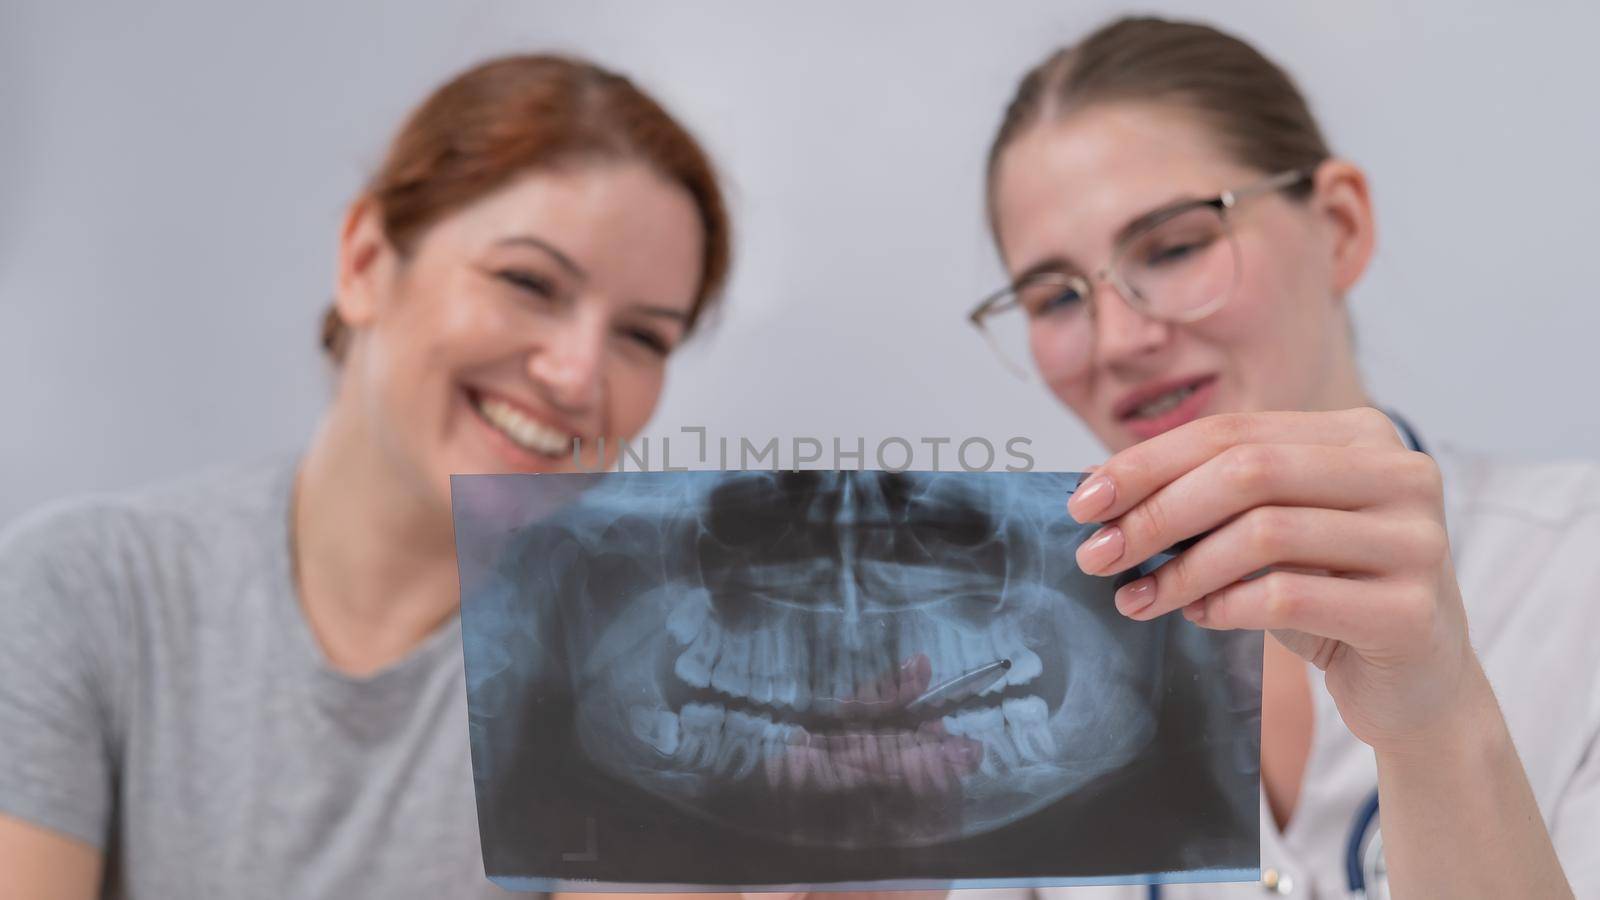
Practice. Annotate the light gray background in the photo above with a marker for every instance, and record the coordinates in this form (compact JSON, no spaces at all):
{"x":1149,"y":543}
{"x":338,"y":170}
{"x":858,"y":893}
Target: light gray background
{"x":172,"y":177}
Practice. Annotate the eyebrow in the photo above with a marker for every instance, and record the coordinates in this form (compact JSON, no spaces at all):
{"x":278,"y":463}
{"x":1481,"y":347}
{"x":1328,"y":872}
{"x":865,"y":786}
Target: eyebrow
{"x":660,"y":312}
{"x":562,"y":259}
{"x":1063,"y":263}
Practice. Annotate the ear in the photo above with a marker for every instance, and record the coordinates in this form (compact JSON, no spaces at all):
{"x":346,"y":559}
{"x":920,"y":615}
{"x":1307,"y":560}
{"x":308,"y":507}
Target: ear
{"x":1340,"y":195}
{"x":365,"y":262}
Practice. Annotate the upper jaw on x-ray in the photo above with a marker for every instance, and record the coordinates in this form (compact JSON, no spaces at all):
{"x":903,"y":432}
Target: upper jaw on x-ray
{"x":847,"y":658}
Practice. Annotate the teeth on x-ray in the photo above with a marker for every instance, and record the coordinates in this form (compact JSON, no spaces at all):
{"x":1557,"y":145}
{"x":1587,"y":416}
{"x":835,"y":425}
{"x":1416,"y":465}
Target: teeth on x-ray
{"x":762,"y":648}
{"x":796,"y":614}
{"x":770,"y":666}
{"x":1027,"y":721}
{"x":686,"y":620}
{"x":988,"y":727}
{"x":656,"y":727}
{"x":694,"y":664}
{"x":732,"y":674}
{"x":743,"y":736}
{"x":975,"y":645}
{"x":701,"y":732}
{"x":732,"y":745}
{"x":1009,"y":644}
{"x":1025,"y":666}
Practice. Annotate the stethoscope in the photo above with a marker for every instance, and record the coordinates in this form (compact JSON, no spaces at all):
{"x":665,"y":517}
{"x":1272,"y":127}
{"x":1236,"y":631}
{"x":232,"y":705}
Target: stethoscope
{"x":1365,"y":871}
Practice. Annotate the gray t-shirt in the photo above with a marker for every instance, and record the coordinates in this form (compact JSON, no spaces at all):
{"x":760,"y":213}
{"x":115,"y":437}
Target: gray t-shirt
{"x":162,"y":697}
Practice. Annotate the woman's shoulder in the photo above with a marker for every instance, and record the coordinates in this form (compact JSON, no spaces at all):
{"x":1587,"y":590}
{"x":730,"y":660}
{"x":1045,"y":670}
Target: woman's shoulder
{"x":119,"y":536}
{"x":1525,"y":539}
{"x":1524,"y":536}
{"x":1544,"y":495}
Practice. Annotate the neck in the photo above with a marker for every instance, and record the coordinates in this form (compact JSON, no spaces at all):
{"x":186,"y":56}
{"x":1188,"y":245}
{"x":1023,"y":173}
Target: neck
{"x":374,"y":554}
{"x":1341,"y":386}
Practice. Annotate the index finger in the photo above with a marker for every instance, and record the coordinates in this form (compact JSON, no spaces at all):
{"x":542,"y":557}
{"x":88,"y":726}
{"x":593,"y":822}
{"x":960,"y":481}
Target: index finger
{"x":1132,"y":475}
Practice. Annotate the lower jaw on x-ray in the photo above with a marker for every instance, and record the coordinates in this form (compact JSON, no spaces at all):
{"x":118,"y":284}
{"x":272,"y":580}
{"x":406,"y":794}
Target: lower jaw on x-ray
{"x":755,"y":678}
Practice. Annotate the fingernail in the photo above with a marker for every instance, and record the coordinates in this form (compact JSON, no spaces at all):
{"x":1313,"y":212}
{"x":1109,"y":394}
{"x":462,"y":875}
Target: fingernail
{"x":1196,"y":611}
{"x":1092,"y":498}
{"x":1101,"y":550}
{"x":1135,"y":597}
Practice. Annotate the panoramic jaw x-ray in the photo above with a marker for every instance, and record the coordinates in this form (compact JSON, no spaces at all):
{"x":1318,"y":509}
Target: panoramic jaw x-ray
{"x":857,"y":676}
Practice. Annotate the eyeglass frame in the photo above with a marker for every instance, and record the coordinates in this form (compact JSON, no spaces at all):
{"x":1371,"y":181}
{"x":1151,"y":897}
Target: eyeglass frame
{"x":1222,"y":203}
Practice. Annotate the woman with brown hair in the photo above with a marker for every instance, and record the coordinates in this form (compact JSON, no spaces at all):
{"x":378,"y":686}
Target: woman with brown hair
{"x":249,"y":683}
{"x":1181,"y":242}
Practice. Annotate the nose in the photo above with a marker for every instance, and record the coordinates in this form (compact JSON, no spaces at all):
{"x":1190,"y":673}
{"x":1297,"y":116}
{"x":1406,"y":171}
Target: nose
{"x":568,"y":365}
{"x":1122,"y":333}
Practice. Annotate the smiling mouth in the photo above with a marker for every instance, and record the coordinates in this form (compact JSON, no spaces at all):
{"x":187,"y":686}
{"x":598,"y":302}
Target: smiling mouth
{"x":518,"y":427}
{"x":1160,"y":405}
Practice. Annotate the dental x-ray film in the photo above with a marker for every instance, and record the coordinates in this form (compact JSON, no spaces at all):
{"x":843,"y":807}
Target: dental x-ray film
{"x":776,"y":680}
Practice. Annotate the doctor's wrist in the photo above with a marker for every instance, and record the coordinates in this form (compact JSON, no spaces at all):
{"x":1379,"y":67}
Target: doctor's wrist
{"x":1468,"y":732}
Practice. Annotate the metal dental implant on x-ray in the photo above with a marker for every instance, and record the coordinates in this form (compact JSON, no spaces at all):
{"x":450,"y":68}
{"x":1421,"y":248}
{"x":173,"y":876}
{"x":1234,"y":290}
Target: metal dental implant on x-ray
{"x":967,"y":684}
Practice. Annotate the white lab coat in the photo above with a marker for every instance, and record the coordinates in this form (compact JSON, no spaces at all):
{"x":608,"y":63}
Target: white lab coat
{"x":1526,"y":544}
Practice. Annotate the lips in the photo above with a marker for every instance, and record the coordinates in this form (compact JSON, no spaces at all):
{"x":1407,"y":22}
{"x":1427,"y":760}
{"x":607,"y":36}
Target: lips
{"x":1163,"y":406}
{"x":522,"y":437}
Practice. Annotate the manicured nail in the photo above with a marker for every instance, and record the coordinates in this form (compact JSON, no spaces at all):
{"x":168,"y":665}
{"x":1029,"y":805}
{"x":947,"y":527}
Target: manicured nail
{"x":1196,"y":611}
{"x":1135,"y":597}
{"x":1092,"y":498}
{"x":1101,"y":550}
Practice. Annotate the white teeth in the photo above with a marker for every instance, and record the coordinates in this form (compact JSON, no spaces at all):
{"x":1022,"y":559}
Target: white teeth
{"x":779,"y":746}
{"x":797,"y":758}
{"x":742,"y":736}
{"x":843,"y":688}
{"x":732,"y":674}
{"x":878,"y":757}
{"x":912,"y":768}
{"x":844,"y":752}
{"x":988,"y":727}
{"x":787,"y":691}
{"x":1027,"y":711}
{"x":695,"y":664}
{"x":872,"y":674}
{"x":763,"y":662}
{"x":1027,"y":722}
{"x":819,"y":770}
{"x":934,"y":764}
{"x":790,"y":679}
{"x":948,"y":662}
{"x":1162,"y":404}
{"x":1025,"y":664}
{"x":1025,"y":667}
{"x":686,"y":620}
{"x":909,"y":641}
{"x":701,"y":735}
{"x":656,"y":727}
{"x":527,"y":433}
{"x":820,"y":685}
{"x":885,"y":753}
{"x":977,"y":649}
{"x":782,"y":665}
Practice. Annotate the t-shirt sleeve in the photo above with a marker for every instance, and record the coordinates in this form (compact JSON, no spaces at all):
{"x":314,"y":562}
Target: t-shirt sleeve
{"x":57,"y":603}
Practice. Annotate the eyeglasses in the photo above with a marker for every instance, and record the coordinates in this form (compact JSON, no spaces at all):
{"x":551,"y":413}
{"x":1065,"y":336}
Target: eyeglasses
{"x":1175,"y":264}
